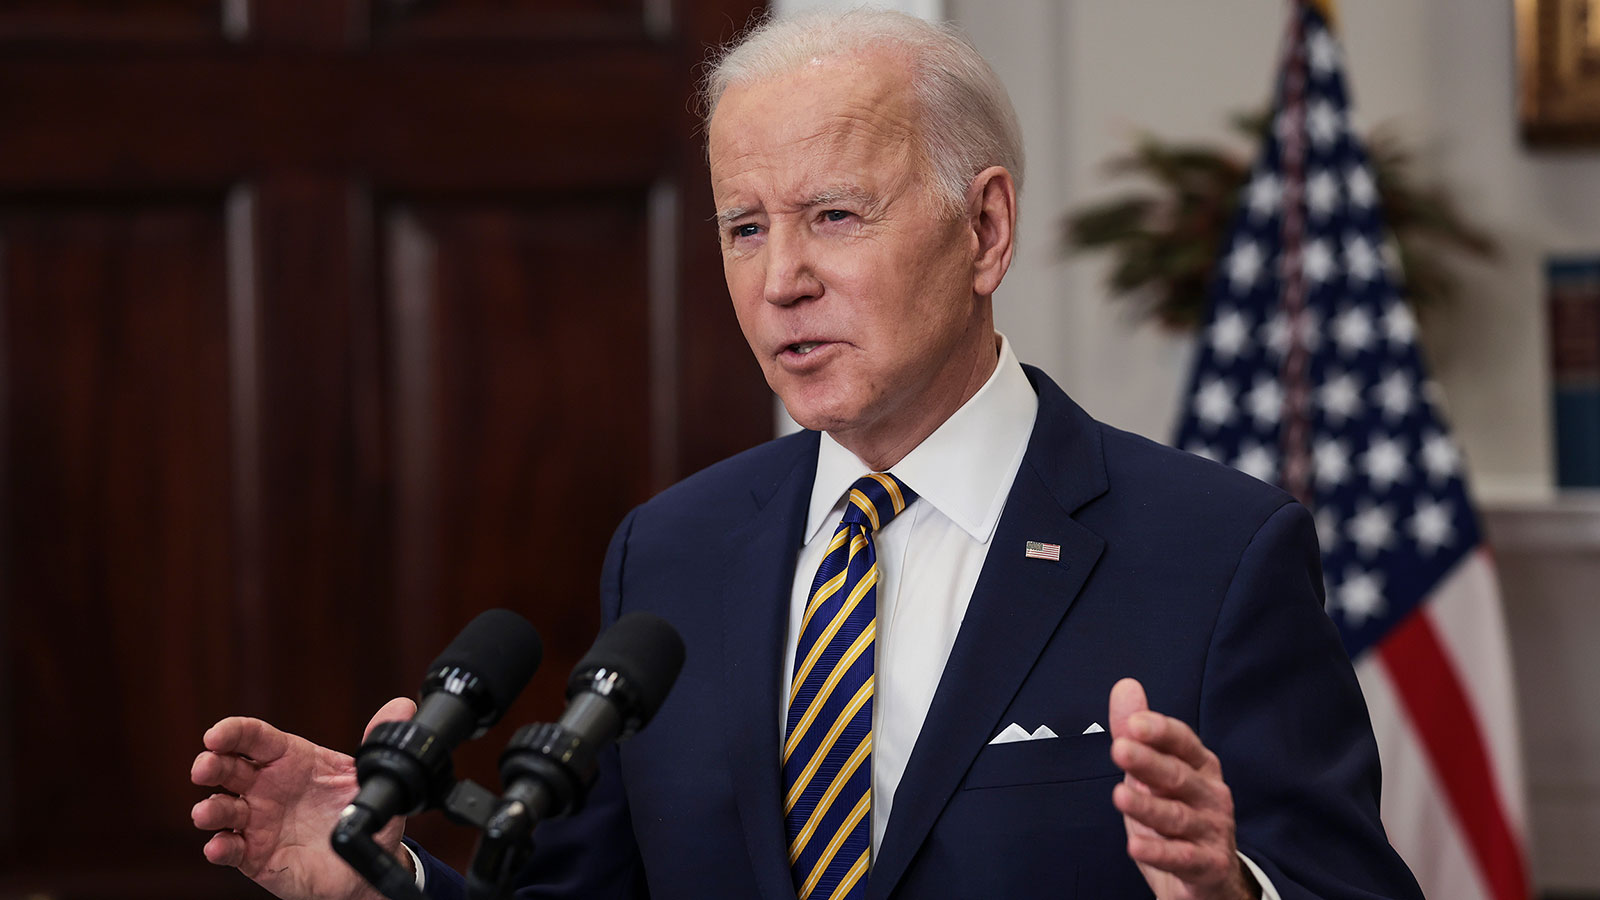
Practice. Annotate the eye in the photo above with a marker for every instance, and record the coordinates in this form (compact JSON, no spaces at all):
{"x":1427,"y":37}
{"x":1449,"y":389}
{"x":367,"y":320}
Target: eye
{"x":746,"y":230}
{"x":835,"y":215}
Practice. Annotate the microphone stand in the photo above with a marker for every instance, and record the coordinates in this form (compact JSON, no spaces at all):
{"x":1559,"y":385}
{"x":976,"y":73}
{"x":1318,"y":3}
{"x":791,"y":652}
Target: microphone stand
{"x":353,"y":840}
{"x":548,"y":769}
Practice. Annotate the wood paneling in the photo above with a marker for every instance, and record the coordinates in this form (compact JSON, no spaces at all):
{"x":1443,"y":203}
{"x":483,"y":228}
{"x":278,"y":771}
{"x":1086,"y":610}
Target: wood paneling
{"x":54,"y":21}
{"x":323,"y":327}
{"x":445,"y":121}
{"x":117,"y":512}
{"x":499,"y":21}
{"x":524,"y":333}
{"x":323,"y":496}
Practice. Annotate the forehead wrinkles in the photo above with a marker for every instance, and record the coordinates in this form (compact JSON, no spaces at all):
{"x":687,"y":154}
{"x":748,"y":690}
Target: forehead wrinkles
{"x":804,"y":154}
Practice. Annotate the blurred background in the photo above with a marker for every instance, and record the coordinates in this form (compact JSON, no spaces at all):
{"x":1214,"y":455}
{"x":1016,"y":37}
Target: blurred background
{"x":326,"y":324}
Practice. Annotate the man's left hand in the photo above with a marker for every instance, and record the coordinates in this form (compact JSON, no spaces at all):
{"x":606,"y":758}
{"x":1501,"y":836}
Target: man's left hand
{"x":1177,"y":809}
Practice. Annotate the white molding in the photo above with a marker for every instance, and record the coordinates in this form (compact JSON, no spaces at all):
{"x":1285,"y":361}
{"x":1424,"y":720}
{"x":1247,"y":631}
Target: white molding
{"x":1566,"y":523}
{"x":236,"y":19}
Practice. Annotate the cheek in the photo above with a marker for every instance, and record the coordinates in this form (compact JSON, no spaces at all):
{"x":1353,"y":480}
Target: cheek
{"x":744,"y":288}
{"x":944,"y":291}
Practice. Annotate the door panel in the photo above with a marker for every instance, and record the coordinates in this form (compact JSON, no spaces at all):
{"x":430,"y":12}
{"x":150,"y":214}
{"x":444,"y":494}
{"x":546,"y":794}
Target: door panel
{"x":116,"y":511}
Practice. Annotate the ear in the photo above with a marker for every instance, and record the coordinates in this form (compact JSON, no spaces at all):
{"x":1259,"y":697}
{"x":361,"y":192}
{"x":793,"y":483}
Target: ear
{"x":992,"y":214}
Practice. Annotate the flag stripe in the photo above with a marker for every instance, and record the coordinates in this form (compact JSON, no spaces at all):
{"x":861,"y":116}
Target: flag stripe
{"x":1417,"y":815}
{"x":1447,"y":724}
{"x":1470,"y":623}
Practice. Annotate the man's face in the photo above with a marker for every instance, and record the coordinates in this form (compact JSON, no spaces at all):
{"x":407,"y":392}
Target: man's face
{"x":852,"y":285}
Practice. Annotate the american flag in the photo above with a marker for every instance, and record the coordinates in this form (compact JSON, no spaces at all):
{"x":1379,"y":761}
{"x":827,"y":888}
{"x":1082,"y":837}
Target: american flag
{"x":1308,"y":375}
{"x":1041,"y":550}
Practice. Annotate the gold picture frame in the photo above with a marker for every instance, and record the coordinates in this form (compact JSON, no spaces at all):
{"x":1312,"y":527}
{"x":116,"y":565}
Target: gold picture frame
{"x":1558,"y":58}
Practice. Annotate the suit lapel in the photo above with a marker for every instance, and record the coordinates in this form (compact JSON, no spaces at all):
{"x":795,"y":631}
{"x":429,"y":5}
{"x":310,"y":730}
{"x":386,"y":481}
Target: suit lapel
{"x":759,"y":572}
{"x":1016,"y":607}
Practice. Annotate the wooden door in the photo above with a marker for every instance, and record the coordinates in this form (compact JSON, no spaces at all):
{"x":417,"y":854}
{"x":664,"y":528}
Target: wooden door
{"x":324,"y":325}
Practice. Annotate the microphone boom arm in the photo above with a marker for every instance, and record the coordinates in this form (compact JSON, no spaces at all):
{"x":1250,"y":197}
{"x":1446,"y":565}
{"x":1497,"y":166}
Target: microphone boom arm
{"x":353,"y":840}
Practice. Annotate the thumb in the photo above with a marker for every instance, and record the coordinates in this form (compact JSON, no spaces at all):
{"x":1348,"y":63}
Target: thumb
{"x":397,"y":710}
{"x":1127,"y":698}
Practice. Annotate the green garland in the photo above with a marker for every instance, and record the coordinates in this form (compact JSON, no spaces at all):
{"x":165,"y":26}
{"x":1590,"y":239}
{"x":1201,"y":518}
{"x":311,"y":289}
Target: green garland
{"x":1165,"y":240}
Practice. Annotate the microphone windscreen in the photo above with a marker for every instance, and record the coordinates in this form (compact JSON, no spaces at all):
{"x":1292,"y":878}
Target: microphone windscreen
{"x":501,"y":648}
{"x":646,"y":650}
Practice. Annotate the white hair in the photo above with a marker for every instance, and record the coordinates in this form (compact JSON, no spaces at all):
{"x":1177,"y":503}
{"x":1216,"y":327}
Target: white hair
{"x":967,"y":121}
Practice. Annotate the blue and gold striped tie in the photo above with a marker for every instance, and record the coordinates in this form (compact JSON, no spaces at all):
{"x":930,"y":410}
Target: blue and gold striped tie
{"x":827,"y":751}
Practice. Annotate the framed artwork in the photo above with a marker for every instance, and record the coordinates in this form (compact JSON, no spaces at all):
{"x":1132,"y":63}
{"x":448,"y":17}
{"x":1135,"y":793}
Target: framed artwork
{"x":1558,"y":57}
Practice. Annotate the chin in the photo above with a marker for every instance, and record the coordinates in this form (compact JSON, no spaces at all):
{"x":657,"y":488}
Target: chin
{"x":809,"y":420}
{"x":823,"y":405}
{"x":815,"y":417}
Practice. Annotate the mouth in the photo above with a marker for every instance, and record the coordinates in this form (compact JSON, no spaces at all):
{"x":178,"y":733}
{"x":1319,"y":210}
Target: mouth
{"x":807,"y":356}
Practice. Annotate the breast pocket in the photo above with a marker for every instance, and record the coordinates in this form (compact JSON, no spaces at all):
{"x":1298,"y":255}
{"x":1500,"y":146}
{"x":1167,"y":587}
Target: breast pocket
{"x":1050,"y":760}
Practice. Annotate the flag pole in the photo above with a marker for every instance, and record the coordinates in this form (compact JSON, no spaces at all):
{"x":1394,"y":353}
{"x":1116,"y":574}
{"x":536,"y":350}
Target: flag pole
{"x":1297,"y":392}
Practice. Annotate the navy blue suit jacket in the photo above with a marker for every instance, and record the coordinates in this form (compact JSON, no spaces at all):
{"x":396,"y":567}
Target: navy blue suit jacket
{"x":1199,"y":581}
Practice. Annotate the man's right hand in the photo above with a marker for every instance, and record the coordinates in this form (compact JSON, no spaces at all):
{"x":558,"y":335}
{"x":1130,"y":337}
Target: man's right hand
{"x":285,"y":797}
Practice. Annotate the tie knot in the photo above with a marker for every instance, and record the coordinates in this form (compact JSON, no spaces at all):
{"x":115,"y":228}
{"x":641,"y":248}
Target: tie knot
{"x":876,"y":499}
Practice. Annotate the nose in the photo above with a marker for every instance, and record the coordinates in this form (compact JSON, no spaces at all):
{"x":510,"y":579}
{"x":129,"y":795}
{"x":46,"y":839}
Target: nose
{"x":791,"y":276}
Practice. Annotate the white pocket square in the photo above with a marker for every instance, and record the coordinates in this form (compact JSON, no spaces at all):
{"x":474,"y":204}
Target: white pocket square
{"x":1094,"y":729}
{"x":1015,"y":732}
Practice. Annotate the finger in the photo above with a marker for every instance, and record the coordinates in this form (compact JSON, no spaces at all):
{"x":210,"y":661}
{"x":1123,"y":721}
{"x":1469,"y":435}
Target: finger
{"x":230,"y":773}
{"x":221,"y":812}
{"x":1173,"y":737}
{"x":1190,"y":862}
{"x":1127,"y":698}
{"x":1162,"y":774}
{"x":224,"y":849}
{"x":397,"y":710}
{"x":247,"y":737}
{"x":1168,"y":818}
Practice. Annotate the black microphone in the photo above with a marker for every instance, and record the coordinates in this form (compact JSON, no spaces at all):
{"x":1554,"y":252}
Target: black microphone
{"x":547,"y":769}
{"x":614,"y":691}
{"x":404,"y":767}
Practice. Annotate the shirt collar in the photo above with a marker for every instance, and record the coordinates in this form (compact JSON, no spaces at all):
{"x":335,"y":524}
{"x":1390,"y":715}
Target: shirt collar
{"x":964,"y":469}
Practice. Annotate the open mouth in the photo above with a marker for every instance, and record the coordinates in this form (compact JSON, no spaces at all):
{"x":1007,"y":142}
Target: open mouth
{"x":804,"y":347}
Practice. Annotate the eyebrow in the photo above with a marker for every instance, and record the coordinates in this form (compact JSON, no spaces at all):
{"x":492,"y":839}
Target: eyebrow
{"x":848,"y":193}
{"x":727,"y":216}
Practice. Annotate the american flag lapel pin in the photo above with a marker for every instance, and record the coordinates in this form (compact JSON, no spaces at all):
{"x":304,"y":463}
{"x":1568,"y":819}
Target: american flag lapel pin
{"x":1041,"y":550}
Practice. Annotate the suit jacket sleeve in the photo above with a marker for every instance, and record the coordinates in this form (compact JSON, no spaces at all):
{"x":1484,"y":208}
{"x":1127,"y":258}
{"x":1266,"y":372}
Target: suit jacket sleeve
{"x":593,"y":854}
{"x":1279,"y":693}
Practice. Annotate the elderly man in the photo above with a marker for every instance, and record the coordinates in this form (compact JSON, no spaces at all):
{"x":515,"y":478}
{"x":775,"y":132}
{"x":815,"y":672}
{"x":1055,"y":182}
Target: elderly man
{"x":904,"y":624}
